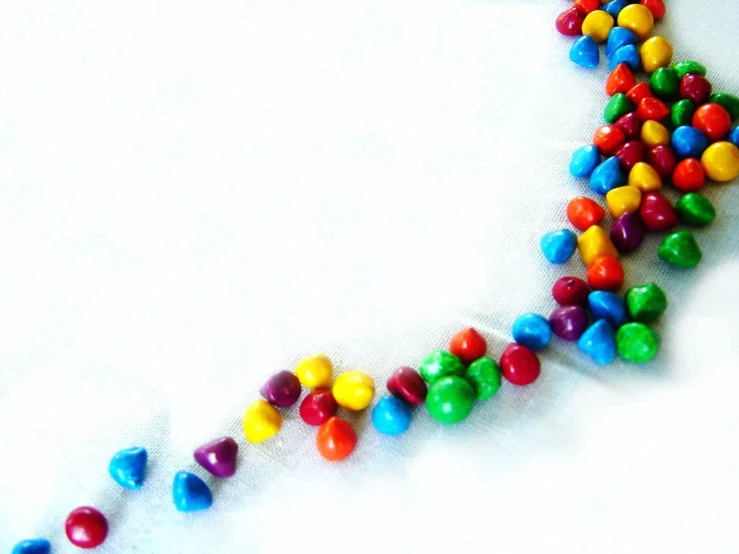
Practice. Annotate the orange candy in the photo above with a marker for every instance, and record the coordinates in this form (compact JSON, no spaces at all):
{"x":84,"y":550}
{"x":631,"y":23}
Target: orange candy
{"x":639,"y":92}
{"x":652,"y":108}
{"x":584,"y":212}
{"x":713,"y":120}
{"x":605,"y":273}
{"x":468,"y":345}
{"x":336,"y":439}
{"x":586,"y":6}
{"x":689,"y":175}
{"x":620,"y":80}
{"x":608,"y":138}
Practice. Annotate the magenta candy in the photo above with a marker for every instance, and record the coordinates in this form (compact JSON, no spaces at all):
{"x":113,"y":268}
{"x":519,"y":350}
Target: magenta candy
{"x":569,"y":322}
{"x":218,"y":457}
{"x":663,"y":160}
{"x":627,"y":232}
{"x":630,"y":154}
{"x":282,"y":389}
{"x":695,"y":88}
{"x":569,"y":22}
{"x":570,"y":291}
{"x":631,"y":125}
{"x":318,"y":407}
{"x":407,"y":384}
{"x":657,"y":213}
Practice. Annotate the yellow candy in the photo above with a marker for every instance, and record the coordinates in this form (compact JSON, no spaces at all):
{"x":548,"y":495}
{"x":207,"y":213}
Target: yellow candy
{"x":354,"y":390}
{"x":315,"y":372}
{"x":638,"y":19}
{"x":261,"y":421}
{"x":595,"y":243}
{"x":653,"y":133}
{"x":721,"y":161}
{"x":655,"y":53}
{"x":597,"y":25}
{"x":622,"y":200}
{"x":644,"y":177}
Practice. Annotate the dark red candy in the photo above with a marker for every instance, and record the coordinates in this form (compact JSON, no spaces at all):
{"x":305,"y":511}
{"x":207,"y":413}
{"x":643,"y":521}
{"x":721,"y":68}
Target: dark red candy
{"x":282,"y":389}
{"x":407,"y":384}
{"x":695,"y":88}
{"x":639,"y":92}
{"x":569,"y":22}
{"x":318,"y":407}
{"x":630,"y":154}
{"x":570,"y":291}
{"x":569,"y":322}
{"x":657,"y":213}
{"x":630,"y":124}
{"x":627,"y":232}
{"x":519,"y":364}
{"x":652,"y":108}
{"x":663,"y":160}
{"x":689,"y":175}
{"x":86,"y":527}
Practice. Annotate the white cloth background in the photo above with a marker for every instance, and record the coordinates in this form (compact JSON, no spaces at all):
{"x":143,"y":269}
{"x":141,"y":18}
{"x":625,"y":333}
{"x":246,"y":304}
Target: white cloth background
{"x":195,"y":195}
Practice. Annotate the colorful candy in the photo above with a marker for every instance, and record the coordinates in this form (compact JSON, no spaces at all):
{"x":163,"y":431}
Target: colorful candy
{"x":630,"y":154}
{"x":623,"y":200}
{"x":638,"y":19}
{"x":599,"y":342}
{"x":128,"y":467}
{"x":608,"y":138}
{"x":532,"y":330}
{"x":644,"y":178}
{"x":569,"y":22}
{"x":440,"y":364}
{"x":616,"y":107}
{"x":637,"y":343}
{"x":450,"y":399}
{"x":680,"y":249}
{"x":570,"y":290}
{"x":32,"y":546}
{"x":607,"y":176}
{"x":485,"y":377}
{"x":656,"y":52}
{"x":585,"y":53}
{"x":689,"y":66}
{"x":391,"y":416}
{"x":689,"y":175}
{"x":657,"y":7}
{"x":586,"y":6}
{"x":218,"y":457}
{"x":663,"y":160}
{"x":354,"y":390}
{"x":190,"y":493}
{"x":595,"y":243}
{"x":558,"y":246}
{"x":468,"y":345}
{"x":630,"y":125}
{"x":620,"y":80}
{"x":729,"y":102}
{"x":681,"y":113}
{"x":597,"y":25}
{"x":86,"y":527}
{"x":664,"y":83}
{"x":695,"y":88}
{"x":608,"y":306}
{"x":657,"y":213}
{"x":519,"y":365}
{"x":318,"y":407}
{"x":315,"y":372}
{"x":713,"y":120}
{"x":569,"y":322}
{"x":721,"y":162}
{"x":619,"y":37}
{"x":653,"y":133}
{"x":694,"y":209}
{"x":336,"y":439}
{"x":281,"y":390}
{"x":627,"y":232}
{"x":584,"y":161}
{"x":584,"y":212}
{"x":261,"y":421}
{"x":689,"y":142}
{"x":646,"y":303}
{"x":605,"y":273}
{"x":637,"y":93}
{"x":408,"y":385}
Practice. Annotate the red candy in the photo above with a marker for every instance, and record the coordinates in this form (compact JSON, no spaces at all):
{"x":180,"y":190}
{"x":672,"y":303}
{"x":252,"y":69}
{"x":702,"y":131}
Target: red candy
{"x":657,"y":7}
{"x":657,"y":213}
{"x":569,"y":22}
{"x":689,"y":175}
{"x":630,"y":154}
{"x":519,"y":365}
{"x":468,"y":345}
{"x":608,"y":138}
{"x":336,"y":439}
{"x":86,"y":527}
{"x":652,"y":108}
{"x":630,"y":124}
{"x":662,"y":159}
{"x":587,"y":6}
{"x":713,"y":120}
{"x":318,"y":406}
{"x":620,"y":80}
{"x":605,"y":273}
{"x":570,"y":291}
{"x":407,"y":384}
{"x":583,"y":212}
{"x":695,"y":87}
{"x":639,"y":92}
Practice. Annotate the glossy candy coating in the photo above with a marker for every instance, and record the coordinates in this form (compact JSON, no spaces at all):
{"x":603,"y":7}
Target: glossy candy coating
{"x":733,"y":137}
{"x":599,"y":342}
{"x":664,"y":83}
{"x":218,"y":457}
{"x":628,"y":232}
{"x":281,"y":390}
{"x":485,"y":377}
{"x":619,"y":37}
{"x":657,"y":212}
{"x":713,"y":120}
{"x":729,"y":102}
{"x":318,"y":406}
{"x":595,"y":243}
{"x":408,"y":385}
{"x":663,"y":160}
{"x":315,"y":372}
{"x":657,"y":7}
{"x":558,"y":246}
{"x":644,"y":178}
{"x":654,"y":134}
{"x":695,"y":88}
{"x":607,"y":176}
{"x":450,"y":399}
{"x":614,"y":7}
{"x":694,"y":209}
{"x":584,"y":52}
{"x":608,"y":306}
{"x":689,"y":142}
{"x":468,"y":345}
{"x":584,"y":161}
{"x":568,"y":322}
{"x":651,"y":108}
{"x":630,"y":125}
{"x":721,"y":162}
{"x":637,"y":343}
{"x":622,"y":200}
{"x":261,"y":421}
{"x":532,"y":330}
{"x":597,"y":25}
{"x":391,"y":416}
{"x":440,"y":364}
{"x":586,"y":6}
{"x":617,"y":107}
{"x":570,"y":290}
{"x":605,"y":273}
{"x":689,"y":66}
{"x":680,"y":249}
{"x":620,"y":80}
{"x":128,"y":467}
{"x":689,"y":175}
{"x":638,"y":19}
{"x":656,"y":52}
{"x":646,"y":303}
{"x":569,"y":22}
{"x":336,"y":439}
{"x":32,"y":546}
{"x":639,"y":92}
{"x":190,"y":493}
{"x":608,"y":138}
{"x":630,"y":154}
{"x":86,"y":527}
{"x":353,"y":390}
{"x":681,"y":113}
{"x":520,"y":366}
{"x":584,"y":212}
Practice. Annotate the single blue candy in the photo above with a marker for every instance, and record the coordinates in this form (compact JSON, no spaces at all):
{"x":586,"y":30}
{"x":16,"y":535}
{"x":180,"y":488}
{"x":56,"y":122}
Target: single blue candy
{"x":559,"y":246}
{"x":614,"y":8}
{"x":532,"y":331}
{"x":585,"y":52}
{"x":734,"y":136}
{"x":608,"y":306}
{"x":584,"y":160}
{"x":128,"y":467}
{"x":598,"y":342}
{"x":607,"y":176}
{"x":689,"y":142}
{"x":32,"y":546}
{"x":618,"y":37}
{"x":626,"y":54}
{"x":190,"y":492}
{"x":391,"y":416}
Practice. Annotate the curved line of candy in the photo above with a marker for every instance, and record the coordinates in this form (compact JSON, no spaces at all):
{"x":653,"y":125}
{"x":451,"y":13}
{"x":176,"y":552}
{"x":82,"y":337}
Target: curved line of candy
{"x":464,"y":374}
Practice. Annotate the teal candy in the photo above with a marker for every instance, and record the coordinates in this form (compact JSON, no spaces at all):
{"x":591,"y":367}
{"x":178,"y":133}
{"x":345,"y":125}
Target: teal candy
{"x":32,"y":546}
{"x":629,"y":55}
{"x":559,"y":246}
{"x":599,"y":342}
{"x":618,"y":37}
{"x":608,"y":306}
{"x":584,"y":161}
{"x":128,"y":467}
{"x":190,"y":493}
{"x":391,"y":416}
{"x":607,"y":176}
{"x":585,"y":53}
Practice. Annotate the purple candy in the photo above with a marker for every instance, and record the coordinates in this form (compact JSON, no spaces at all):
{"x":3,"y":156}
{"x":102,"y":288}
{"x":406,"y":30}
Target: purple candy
{"x":218,"y":457}
{"x":282,"y":389}
{"x":627,"y":232}
{"x":569,"y":322}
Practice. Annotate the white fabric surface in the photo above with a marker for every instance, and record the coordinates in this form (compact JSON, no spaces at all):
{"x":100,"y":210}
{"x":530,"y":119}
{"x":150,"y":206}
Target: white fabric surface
{"x":195,"y":195}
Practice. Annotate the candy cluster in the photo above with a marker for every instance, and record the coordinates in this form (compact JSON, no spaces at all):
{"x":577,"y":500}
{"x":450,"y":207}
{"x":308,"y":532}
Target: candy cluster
{"x":669,"y":128}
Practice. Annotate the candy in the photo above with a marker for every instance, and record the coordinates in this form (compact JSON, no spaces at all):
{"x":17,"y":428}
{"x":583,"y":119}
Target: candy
{"x":408,"y":385}
{"x":607,"y":176}
{"x":608,"y":306}
{"x":630,"y":154}
{"x":568,"y":322}
{"x":681,"y":113}
{"x":627,"y":233}
{"x":713,"y":120}
{"x":646,"y":303}
{"x":519,"y":365}
{"x":639,"y":92}
{"x":683,"y":68}
{"x":694,"y":209}
{"x":621,"y":79}
{"x":729,"y":102}
{"x":614,"y":7}
{"x":586,"y":6}
{"x":651,"y":108}
{"x":663,"y":160}
{"x":391,"y":416}
{"x":595,"y":243}
{"x":597,"y":25}
{"x":689,"y":142}
{"x":654,"y":134}
{"x":468,"y":345}
{"x":643,"y":177}
{"x":637,"y":343}
{"x":570,"y":290}
{"x":218,"y":457}
{"x":637,"y":19}
{"x":657,"y":213}
{"x":630,"y":125}
{"x":689,"y":175}
{"x":619,"y":37}
{"x":584,"y":52}
{"x":281,"y":390}
{"x":336,"y":439}
{"x":86,"y":527}
{"x":721,"y":161}
{"x":450,"y":399}
{"x":616,"y":107}
{"x":664,"y":83}
{"x":584,"y":160}
{"x":569,"y":22}
{"x":32,"y":546}
{"x":128,"y":467}
{"x":319,"y":406}
{"x":599,"y":342}
{"x":261,"y":421}
{"x":695,"y":88}
{"x":584,"y":212}
{"x":315,"y":372}
{"x":680,"y":249}
{"x":733,"y":137}
{"x":622,"y":200}
{"x":656,"y":52}
{"x":608,"y":138}
{"x":440,"y":364}
{"x":484,"y":377}
{"x":558,"y":246}
{"x":532,"y":330}
{"x":629,"y":55}
{"x":605,"y":273}
{"x":657,"y":7}
{"x":353,"y":390}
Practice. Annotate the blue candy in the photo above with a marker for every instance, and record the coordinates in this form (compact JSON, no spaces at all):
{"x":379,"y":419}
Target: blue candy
{"x":391,"y":416}
{"x":626,"y":54}
{"x":559,"y":246}
{"x":599,"y":343}
{"x":618,"y":37}
{"x":190,"y":492}
{"x":585,"y":52}
{"x":614,"y":8}
{"x":532,"y":331}
{"x":32,"y":546}
{"x":608,"y":306}
{"x":584,"y":160}
{"x":128,"y":467}
{"x":689,"y":142}
{"x":734,"y":136}
{"x":607,"y":176}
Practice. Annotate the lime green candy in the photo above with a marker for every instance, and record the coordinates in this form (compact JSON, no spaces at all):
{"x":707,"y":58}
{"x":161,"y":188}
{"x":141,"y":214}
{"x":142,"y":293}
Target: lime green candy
{"x":680,"y":249}
{"x":689,"y":66}
{"x":484,"y":376}
{"x":617,"y":107}
{"x":664,"y":83}
{"x":695,"y":209}
{"x":646,"y":303}
{"x":450,"y":399}
{"x":682,"y":112}
{"x":439,"y":364}
{"x":637,"y":342}
{"x":727,"y":101}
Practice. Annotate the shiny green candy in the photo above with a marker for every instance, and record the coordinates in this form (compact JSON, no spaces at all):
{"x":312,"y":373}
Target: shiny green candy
{"x":450,"y":399}
{"x":440,"y":364}
{"x":617,"y":107}
{"x":682,"y":112}
{"x":695,"y":209}
{"x":727,"y":101}
{"x":637,"y":343}
{"x":689,"y":66}
{"x":680,"y":249}
{"x":646,"y":303}
{"x":664,"y":83}
{"x":484,"y":376}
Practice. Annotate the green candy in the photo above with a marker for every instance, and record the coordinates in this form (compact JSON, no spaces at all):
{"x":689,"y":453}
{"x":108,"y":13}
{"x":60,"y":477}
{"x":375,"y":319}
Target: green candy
{"x":646,"y":302}
{"x":695,"y":209}
{"x":637,"y":343}
{"x":484,"y":376}
{"x":439,"y":364}
{"x":664,"y":83}
{"x":689,"y":66}
{"x":617,"y":106}
{"x":727,"y":101}
{"x":682,"y":112}
{"x":450,"y":399}
{"x":680,"y":249}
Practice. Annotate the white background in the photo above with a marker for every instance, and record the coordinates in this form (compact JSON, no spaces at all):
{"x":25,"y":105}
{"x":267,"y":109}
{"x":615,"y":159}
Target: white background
{"x":194,"y":195}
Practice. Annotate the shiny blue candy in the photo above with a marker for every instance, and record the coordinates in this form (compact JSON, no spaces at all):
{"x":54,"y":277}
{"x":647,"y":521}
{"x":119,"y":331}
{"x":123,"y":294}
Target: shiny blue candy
{"x":689,"y":142}
{"x":607,"y":176}
{"x":608,"y":306}
{"x":618,"y":37}
{"x":32,"y":546}
{"x":584,"y":52}
{"x":532,"y":331}
{"x":190,"y":493}
{"x":734,"y":136}
{"x":391,"y":416}
{"x":614,"y":8}
{"x":128,"y":467}
{"x":629,"y":55}
{"x":598,"y":341}
{"x":559,"y":246}
{"x":584,"y":161}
